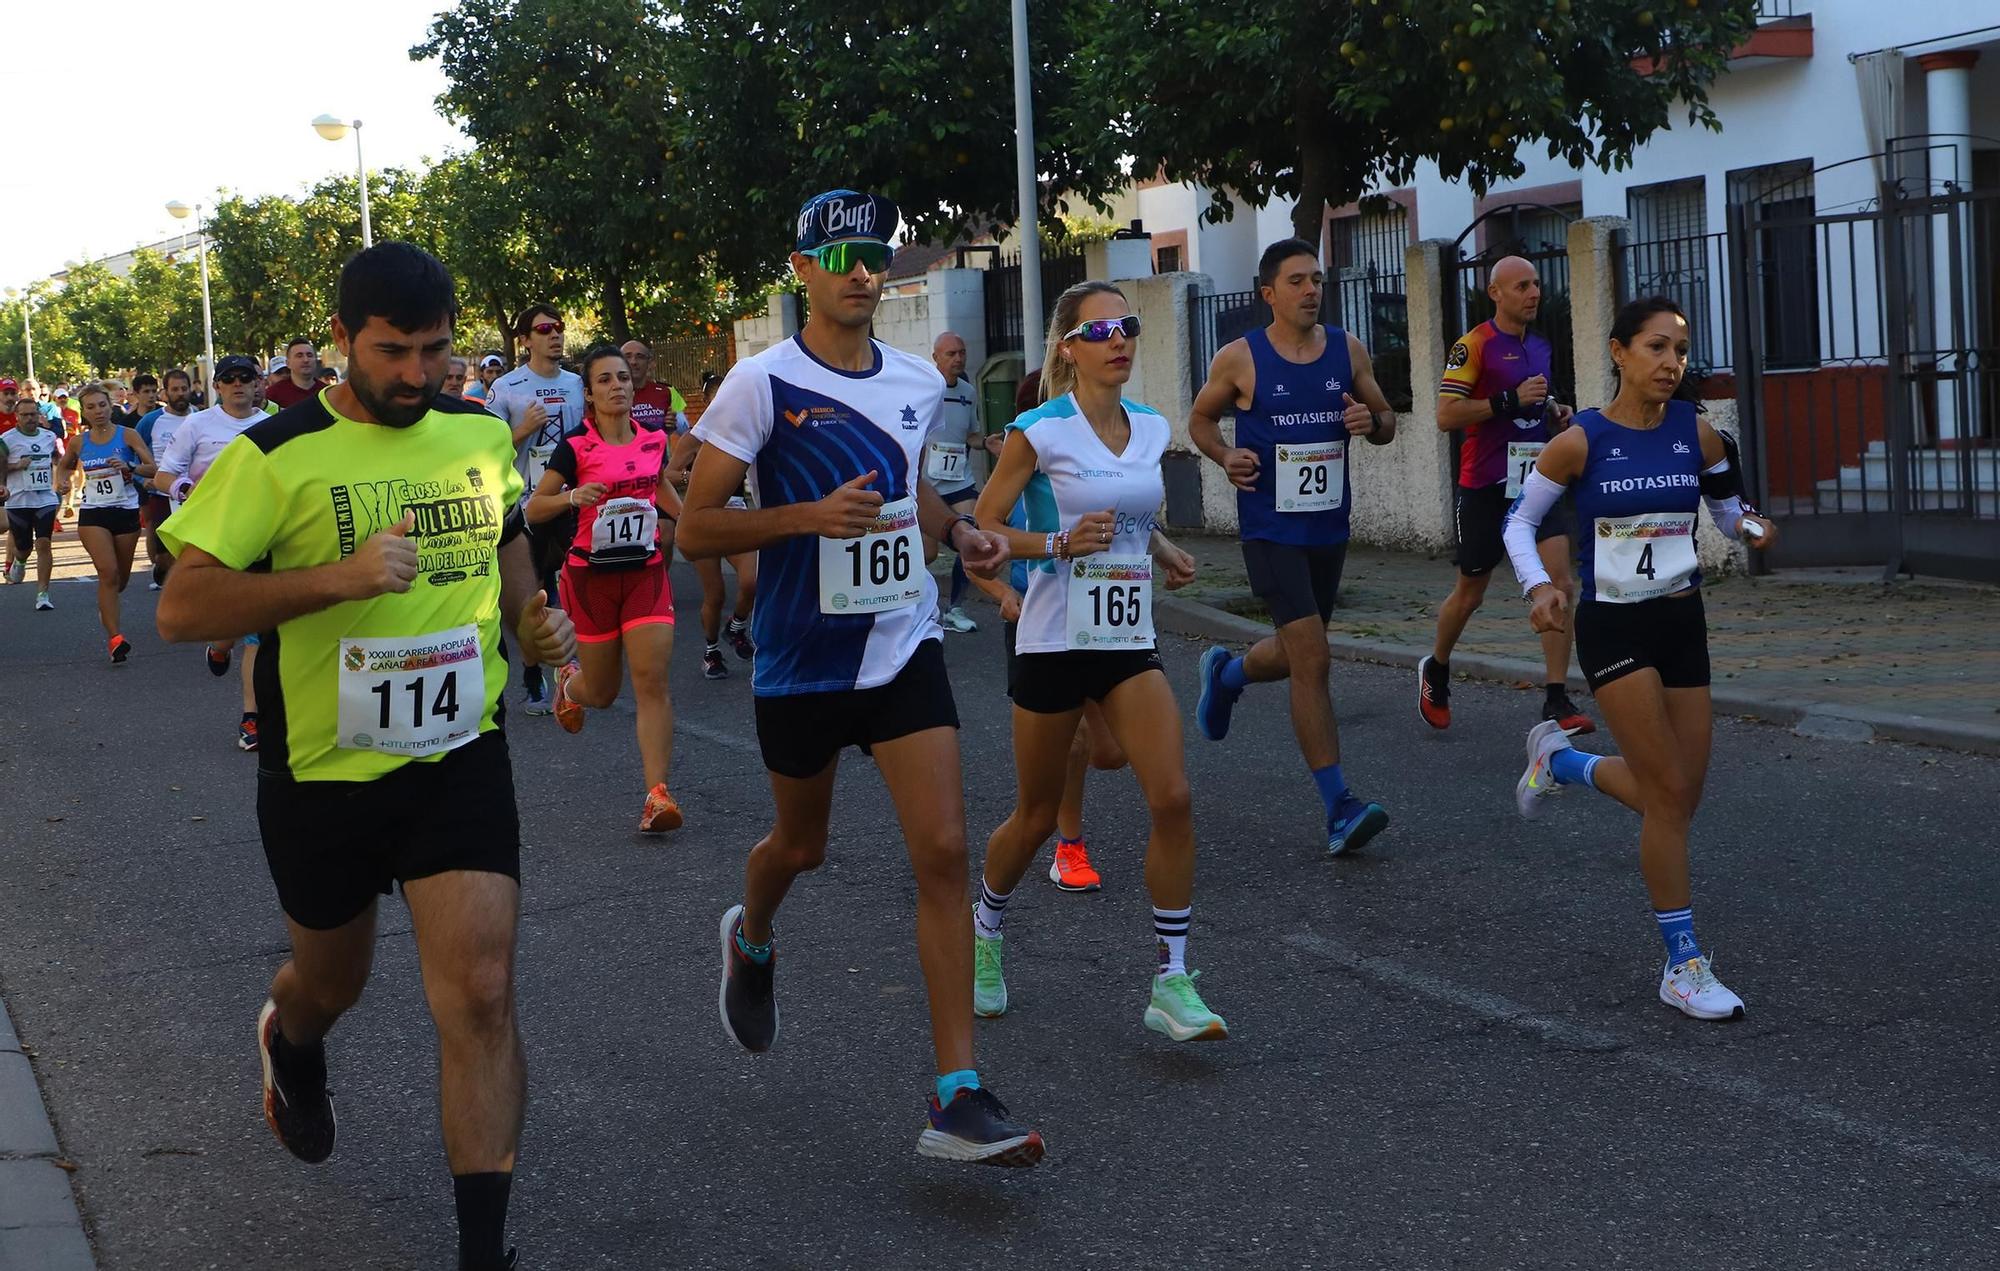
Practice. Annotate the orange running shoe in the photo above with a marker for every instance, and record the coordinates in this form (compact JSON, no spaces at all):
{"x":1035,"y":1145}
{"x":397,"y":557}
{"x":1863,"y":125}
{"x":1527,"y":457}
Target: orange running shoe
{"x":1433,"y":692}
{"x":567,"y":712}
{"x":661,"y":814}
{"x":1071,"y":869}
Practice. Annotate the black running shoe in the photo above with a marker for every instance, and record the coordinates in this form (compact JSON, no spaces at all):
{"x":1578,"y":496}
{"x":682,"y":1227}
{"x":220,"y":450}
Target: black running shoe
{"x":218,"y":661}
{"x":1433,"y":692}
{"x":296,"y":1104}
{"x":975,"y":1128}
{"x":749,"y":1011}
{"x":739,"y":640}
{"x":712,"y":665}
{"x":1565,"y":713}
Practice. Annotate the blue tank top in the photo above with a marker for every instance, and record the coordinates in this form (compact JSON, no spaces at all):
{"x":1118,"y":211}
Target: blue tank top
{"x":95,"y":455}
{"x":1636,"y":506}
{"x":1295,"y":404}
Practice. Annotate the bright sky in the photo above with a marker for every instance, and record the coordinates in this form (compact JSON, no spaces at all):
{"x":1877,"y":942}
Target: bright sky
{"x":115,"y":108}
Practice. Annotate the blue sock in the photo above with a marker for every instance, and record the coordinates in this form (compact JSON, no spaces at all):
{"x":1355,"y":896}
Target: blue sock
{"x":950,"y":1083}
{"x":1677,"y":930}
{"x":758,"y":953}
{"x":1574,"y":768}
{"x":1232,"y":676}
{"x":1332,"y":786}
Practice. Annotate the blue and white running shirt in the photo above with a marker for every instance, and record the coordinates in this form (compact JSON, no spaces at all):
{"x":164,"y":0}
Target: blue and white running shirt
{"x":806,"y":429}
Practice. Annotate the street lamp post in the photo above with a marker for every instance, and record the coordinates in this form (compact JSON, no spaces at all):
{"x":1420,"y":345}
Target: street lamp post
{"x":333,"y":130}
{"x":27,"y":328}
{"x":1024,"y":163}
{"x":179,"y":211}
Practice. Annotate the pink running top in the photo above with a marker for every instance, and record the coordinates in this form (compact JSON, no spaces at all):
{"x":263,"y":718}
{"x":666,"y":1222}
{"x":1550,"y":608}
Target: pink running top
{"x":622,"y":529}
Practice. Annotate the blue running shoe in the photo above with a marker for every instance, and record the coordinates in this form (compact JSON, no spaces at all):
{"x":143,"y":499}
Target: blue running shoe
{"x":974,"y":1127}
{"x":1211,"y":712}
{"x":1352,"y":824}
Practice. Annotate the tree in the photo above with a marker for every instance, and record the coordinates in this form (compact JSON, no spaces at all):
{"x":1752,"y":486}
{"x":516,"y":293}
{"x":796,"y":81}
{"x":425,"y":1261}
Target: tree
{"x":97,"y":307}
{"x":165,"y":296}
{"x":263,"y":277}
{"x":1316,"y":100}
{"x":482,"y":223}
{"x":57,"y":357}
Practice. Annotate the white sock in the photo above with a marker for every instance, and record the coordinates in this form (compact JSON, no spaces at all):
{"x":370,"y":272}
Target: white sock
{"x":1170,"y":930}
{"x":990,"y":912}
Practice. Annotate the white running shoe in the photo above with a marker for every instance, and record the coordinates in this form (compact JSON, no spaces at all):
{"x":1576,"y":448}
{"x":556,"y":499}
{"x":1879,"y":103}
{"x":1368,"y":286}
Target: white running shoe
{"x":955,"y":619}
{"x":1692,"y":989}
{"x":42,"y":601}
{"x":1537,"y":783}
{"x":19,"y":571}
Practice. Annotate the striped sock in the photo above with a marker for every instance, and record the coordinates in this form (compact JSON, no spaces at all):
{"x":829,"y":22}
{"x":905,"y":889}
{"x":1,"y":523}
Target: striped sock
{"x":1574,"y":768}
{"x":1677,"y":931}
{"x":1170,"y":931}
{"x":991,"y":911}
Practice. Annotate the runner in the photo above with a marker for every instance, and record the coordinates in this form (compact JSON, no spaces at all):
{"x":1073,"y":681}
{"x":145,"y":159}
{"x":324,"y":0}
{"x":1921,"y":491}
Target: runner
{"x":1496,"y":389}
{"x":110,"y":456}
{"x":10,"y":394}
{"x":292,"y":379}
{"x":541,"y":402}
{"x":30,"y":450}
{"x":1088,"y":461}
{"x":948,"y":458}
{"x":1302,"y":393}
{"x":612,"y":474}
{"x":387,"y":763}
{"x":140,"y":402}
{"x":183,"y":463}
{"x":709,"y":570}
{"x":157,"y":430}
{"x":1638,"y":468}
{"x":454,"y":376}
{"x":490,"y":366}
{"x":832,"y":425}
{"x":654,"y":405}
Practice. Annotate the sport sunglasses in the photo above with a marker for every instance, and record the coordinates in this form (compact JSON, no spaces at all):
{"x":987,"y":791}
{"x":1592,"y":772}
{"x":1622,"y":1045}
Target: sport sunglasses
{"x":841,"y":258}
{"x":235,"y":377}
{"x":1098,"y":330}
{"x":547,"y":328}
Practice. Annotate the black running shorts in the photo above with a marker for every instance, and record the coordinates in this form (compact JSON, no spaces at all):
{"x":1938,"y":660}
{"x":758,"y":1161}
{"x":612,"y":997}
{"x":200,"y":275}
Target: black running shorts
{"x":334,"y":846}
{"x":117,"y":520}
{"x":1668,"y":634}
{"x":1294,"y":582}
{"x":800,"y":733}
{"x":1052,"y":683}
{"x":29,"y":524}
{"x":1482,"y":515}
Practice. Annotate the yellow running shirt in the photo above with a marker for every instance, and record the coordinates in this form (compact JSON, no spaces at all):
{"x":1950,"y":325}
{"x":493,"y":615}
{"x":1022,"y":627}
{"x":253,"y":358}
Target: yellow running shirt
{"x":358,"y":690}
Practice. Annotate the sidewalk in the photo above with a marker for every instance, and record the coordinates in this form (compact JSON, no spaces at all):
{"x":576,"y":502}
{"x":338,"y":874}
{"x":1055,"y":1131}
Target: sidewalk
{"x":1834,"y":652}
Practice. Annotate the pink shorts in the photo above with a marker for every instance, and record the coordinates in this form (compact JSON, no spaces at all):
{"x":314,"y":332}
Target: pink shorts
{"x":606,"y":603}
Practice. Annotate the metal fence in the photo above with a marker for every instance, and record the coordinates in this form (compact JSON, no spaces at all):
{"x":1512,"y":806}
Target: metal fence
{"x":1003,"y":296}
{"x":681,"y":363}
{"x":1692,"y":271}
{"x":1216,"y":318}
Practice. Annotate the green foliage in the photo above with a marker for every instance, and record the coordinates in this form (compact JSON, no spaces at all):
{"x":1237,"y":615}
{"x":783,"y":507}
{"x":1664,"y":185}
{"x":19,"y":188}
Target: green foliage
{"x":57,"y":355}
{"x":1315,"y":101}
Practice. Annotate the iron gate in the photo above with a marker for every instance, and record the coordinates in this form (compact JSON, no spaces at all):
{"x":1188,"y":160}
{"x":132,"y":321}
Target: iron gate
{"x":1865,"y":347}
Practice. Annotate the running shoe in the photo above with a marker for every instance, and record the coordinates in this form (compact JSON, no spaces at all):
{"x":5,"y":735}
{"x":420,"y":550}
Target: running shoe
{"x":1352,"y":824}
{"x":218,"y":662}
{"x":42,"y":601}
{"x":1565,"y":713}
{"x":749,"y":1009}
{"x":661,"y":813}
{"x":1178,"y":1012}
{"x":246,"y":733}
{"x":121,"y":648}
{"x":1211,"y":712}
{"x":568,"y":713}
{"x":1071,"y":870}
{"x":296,"y":1104}
{"x":18,"y":572}
{"x":975,"y":1128}
{"x":535,"y":701}
{"x":1537,"y":782}
{"x":712,"y":665}
{"x":1692,"y":989}
{"x":955,"y":619}
{"x":738,"y":634}
{"x":989,"y":986}
{"x":1433,"y":693}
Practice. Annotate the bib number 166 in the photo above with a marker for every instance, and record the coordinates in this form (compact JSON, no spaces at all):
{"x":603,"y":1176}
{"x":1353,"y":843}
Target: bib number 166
{"x":877,"y":562}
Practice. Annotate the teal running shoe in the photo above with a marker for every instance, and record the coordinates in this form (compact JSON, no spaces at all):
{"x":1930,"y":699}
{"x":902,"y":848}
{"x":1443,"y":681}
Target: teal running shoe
{"x":1177,"y":1011}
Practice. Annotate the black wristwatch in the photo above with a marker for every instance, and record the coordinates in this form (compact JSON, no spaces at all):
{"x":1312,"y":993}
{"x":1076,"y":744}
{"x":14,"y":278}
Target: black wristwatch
{"x":954,"y":521}
{"x":1506,"y":404}
{"x":1375,"y":419}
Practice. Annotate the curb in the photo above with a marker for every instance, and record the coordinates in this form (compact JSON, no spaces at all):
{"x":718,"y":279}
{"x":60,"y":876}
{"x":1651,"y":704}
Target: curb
{"x":40,"y":1229}
{"x":1832,"y":720}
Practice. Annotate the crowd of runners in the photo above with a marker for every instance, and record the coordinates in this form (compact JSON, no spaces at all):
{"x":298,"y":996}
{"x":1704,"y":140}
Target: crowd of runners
{"x":292,"y":518}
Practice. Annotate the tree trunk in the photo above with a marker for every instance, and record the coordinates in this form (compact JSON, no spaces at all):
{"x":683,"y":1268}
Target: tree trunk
{"x":614,"y":306}
{"x":1316,"y":180}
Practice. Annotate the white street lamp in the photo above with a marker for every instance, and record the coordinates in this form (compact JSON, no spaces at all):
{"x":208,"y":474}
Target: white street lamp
{"x":1024,"y":175}
{"x":333,"y":130}
{"x":180,"y":212}
{"x":27,"y":330}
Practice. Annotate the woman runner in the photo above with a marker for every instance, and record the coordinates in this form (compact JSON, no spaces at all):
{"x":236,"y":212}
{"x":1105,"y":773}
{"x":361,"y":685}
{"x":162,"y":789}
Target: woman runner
{"x":110,"y":456}
{"x":1089,"y":464}
{"x":1639,"y":468}
{"x":614,"y":577}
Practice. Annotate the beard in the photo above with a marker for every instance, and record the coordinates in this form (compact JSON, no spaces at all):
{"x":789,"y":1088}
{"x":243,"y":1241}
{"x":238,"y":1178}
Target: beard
{"x":388,"y":409}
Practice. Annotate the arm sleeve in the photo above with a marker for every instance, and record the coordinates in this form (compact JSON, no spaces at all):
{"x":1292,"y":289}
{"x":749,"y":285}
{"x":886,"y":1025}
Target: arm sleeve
{"x":1538,"y":495}
{"x":1461,"y":368}
{"x":235,"y":512}
{"x":564,"y":461}
{"x":738,"y":421}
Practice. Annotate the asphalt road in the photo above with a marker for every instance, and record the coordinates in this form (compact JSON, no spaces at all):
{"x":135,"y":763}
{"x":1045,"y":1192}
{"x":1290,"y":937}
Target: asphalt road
{"x":1446,"y":1052}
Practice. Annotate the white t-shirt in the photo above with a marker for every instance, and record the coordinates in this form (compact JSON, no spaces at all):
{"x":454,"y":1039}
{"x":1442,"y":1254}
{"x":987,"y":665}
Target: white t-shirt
{"x":806,"y":429}
{"x":561,"y":395}
{"x":164,"y":429}
{"x":34,"y":485}
{"x":1074,"y":474}
{"x":960,"y":419}
{"x":199,"y":439}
